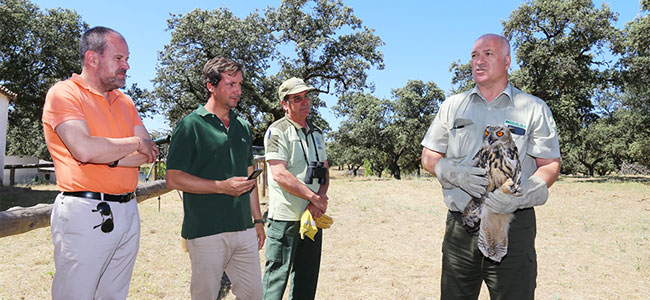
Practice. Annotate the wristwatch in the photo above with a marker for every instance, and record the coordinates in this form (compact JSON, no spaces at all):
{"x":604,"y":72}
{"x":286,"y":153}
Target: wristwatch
{"x":258,"y":221}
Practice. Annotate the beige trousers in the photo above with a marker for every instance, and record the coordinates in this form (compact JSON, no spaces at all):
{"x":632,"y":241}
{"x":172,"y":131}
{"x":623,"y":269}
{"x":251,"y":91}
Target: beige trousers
{"x":235,"y":253}
{"x":91,"y":264}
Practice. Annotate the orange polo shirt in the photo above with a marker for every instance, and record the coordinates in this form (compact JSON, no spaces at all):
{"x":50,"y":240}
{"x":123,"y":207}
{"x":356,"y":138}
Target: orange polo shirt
{"x":73,"y":99}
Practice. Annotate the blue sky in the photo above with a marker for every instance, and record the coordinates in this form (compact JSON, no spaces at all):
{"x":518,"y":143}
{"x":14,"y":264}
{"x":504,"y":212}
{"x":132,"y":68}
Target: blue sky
{"x":422,"y":38}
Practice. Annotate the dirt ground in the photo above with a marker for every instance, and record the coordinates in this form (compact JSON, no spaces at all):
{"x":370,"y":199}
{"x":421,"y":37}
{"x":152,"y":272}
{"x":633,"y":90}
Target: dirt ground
{"x":592,"y":243}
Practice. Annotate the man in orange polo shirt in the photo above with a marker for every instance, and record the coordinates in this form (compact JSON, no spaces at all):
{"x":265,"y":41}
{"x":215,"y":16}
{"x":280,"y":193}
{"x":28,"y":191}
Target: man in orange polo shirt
{"x":97,"y":141}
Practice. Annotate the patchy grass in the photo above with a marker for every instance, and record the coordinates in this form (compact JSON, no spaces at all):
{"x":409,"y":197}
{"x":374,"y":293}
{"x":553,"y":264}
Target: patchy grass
{"x":593,"y":242}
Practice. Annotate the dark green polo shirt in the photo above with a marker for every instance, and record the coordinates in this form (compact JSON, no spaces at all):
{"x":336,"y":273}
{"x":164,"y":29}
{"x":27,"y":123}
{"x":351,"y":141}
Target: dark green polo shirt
{"x":202,"y":146}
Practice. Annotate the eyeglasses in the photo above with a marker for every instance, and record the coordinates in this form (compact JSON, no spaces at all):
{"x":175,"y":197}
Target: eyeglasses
{"x":104,"y":210}
{"x":299,"y":99}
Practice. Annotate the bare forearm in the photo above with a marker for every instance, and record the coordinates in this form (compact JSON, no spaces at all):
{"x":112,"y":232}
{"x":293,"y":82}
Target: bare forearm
{"x":291,"y":184}
{"x":256,"y":211}
{"x":429,"y":160}
{"x":134,"y":159}
{"x":102,"y":150}
{"x":98,"y":150}
{"x":189,"y":183}
{"x":548,"y":169}
{"x":234,"y":186}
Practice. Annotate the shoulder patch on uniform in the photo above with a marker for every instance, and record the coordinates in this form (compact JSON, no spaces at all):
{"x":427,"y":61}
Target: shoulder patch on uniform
{"x":273,"y":143}
{"x":282,"y":124}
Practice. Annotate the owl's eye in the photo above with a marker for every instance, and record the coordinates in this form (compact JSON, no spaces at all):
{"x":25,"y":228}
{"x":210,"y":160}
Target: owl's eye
{"x":487,"y":133}
{"x":499,"y":133}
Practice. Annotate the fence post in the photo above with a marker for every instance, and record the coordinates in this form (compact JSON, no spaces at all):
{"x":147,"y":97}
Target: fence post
{"x":12,"y":176}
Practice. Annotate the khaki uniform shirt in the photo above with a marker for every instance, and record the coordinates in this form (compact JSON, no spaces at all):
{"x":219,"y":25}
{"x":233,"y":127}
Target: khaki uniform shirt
{"x":283,"y":141}
{"x":459,"y":126}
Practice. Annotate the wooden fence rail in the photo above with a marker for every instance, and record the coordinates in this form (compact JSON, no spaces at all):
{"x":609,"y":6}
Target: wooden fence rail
{"x":17,"y":220}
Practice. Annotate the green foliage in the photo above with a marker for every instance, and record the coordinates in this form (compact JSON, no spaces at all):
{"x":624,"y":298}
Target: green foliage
{"x":385,"y":134}
{"x":331,"y":49}
{"x":559,"y":46}
{"x":414,"y":107}
{"x":633,"y":81}
{"x":461,"y":80}
{"x":139,"y":97}
{"x":199,"y":36}
{"x":37,"y":49}
{"x":358,"y":136}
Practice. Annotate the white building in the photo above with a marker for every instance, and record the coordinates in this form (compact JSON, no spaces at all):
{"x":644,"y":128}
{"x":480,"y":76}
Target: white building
{"x":28,"y":175}
{"x":5,"y":96}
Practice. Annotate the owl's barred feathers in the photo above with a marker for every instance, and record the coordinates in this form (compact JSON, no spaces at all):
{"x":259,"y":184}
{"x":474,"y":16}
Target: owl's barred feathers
{"x":499,"y":156}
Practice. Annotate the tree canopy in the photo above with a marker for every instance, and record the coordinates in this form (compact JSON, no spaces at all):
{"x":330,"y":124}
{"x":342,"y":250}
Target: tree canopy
{"x":559,"y":47}
{"x":633,"y":70}
{"x":593,"y":76}
{"x":331,"y":51}
{"x":37,"y":49}
{"x":386,"y":134}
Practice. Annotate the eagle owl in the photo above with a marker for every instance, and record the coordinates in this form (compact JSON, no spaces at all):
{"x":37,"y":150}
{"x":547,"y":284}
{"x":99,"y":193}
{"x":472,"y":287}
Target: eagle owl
{"x":500,"y":158}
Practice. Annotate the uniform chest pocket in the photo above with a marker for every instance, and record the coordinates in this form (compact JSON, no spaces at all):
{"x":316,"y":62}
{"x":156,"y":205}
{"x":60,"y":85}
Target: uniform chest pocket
{"x":520,"y":142}
{"x":461,"y":138}
{"x":296,"y":149}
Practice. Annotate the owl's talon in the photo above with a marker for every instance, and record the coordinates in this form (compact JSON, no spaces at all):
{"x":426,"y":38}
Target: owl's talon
{"x":507,"y":187}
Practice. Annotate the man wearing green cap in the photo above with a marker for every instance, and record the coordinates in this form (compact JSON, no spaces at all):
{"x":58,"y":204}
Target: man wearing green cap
{"x":299,"y":177}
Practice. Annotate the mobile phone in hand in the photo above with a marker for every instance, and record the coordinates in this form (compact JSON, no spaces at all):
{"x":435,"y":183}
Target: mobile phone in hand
{"x":255,"y":173}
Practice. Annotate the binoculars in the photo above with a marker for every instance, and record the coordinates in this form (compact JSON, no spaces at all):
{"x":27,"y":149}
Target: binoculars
{"x":316,"y":169}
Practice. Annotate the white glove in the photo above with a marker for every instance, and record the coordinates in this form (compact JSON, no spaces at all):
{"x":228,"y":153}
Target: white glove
{"x":467,"y":177}
{"x":534,"y":192}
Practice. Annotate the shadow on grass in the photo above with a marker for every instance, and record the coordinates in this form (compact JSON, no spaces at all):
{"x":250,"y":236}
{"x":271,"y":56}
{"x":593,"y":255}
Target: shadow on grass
{"x":24,"y":196}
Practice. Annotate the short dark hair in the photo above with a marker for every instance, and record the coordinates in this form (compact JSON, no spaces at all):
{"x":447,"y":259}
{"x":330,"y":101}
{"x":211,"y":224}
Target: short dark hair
{"x":94,"y":39}
{"x":214,"y":67}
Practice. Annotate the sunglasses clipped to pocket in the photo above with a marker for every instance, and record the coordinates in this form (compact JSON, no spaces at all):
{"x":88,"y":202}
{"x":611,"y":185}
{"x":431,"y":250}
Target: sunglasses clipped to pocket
{"x":105,"y":211}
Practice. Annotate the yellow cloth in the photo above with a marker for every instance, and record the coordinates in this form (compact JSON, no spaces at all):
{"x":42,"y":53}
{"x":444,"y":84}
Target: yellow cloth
{"x":309,"y":226}
{"x":324,"y":221}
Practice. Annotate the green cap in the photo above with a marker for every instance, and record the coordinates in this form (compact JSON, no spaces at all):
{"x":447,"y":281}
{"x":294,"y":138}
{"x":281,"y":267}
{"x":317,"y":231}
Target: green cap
{"x":292,"y":86}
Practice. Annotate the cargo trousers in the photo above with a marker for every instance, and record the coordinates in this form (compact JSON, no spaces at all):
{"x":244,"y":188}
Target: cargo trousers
{"x":289,"y":255}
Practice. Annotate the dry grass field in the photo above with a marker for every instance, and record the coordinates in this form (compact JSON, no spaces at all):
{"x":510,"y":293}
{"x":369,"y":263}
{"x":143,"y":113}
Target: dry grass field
{"x":593,"y":242}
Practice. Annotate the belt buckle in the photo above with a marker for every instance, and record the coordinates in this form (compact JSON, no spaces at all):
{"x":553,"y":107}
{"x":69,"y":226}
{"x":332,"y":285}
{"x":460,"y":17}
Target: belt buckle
{"x":127,"y":197}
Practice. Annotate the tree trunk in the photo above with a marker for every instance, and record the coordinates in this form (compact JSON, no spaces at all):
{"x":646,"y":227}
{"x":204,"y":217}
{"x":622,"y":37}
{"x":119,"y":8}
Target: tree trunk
{"x":397,"y":173}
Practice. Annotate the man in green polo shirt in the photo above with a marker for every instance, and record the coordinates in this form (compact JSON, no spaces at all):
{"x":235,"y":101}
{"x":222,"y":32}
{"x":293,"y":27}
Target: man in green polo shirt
{"x":299,"y":178}
{"x":450,"y":144}
{"x":210,"y":156}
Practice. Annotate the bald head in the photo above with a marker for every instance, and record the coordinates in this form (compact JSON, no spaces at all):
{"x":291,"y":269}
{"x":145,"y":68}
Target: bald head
{"x":502,"y":41}
{"x":490,"y":63}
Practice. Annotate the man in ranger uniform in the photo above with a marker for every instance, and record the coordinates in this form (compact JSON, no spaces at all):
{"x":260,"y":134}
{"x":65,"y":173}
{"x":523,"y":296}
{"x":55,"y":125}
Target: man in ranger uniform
{"x":299,"y":177}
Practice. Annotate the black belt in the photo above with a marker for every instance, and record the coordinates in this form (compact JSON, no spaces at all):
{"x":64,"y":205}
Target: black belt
{"x":98,"y":196}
